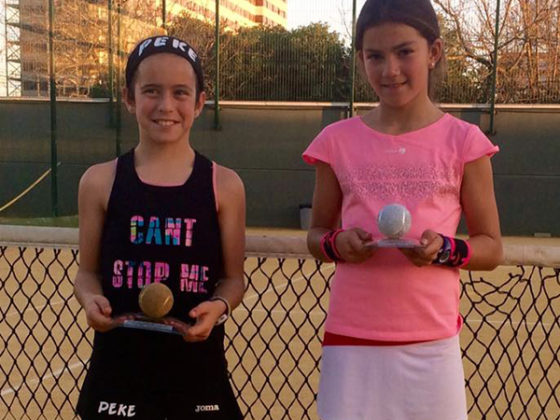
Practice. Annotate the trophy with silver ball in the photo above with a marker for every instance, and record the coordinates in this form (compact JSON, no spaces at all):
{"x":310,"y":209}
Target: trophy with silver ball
{"x":394,"y":222}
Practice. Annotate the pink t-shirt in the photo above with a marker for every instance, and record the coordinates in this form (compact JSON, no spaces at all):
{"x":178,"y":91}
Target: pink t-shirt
{"x":387,"y":297}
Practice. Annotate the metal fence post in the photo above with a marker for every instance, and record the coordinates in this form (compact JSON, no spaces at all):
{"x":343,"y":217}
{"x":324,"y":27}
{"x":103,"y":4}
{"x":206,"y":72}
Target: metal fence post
{"x":163,"y":15}
{"x":217,"y":125}
{"x":494,"y":71}
{"x":110,"y":61}
{"x":119,"y":94}
{"x":353,"y":60}
{"x":6,"y":47}
{"x":52,"y":89}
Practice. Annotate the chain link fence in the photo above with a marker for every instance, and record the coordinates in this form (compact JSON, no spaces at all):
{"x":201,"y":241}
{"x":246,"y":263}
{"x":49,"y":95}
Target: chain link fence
{"x":280,"y":50}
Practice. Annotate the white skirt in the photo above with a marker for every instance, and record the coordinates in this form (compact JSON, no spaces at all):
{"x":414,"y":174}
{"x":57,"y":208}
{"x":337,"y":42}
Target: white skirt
{"x":422,"y":381}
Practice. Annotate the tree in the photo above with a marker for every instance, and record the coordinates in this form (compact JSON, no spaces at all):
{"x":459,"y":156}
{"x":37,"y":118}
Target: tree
{"x":271,"y":63}
{"x":528,"y":45}
{"x":465,"y":80}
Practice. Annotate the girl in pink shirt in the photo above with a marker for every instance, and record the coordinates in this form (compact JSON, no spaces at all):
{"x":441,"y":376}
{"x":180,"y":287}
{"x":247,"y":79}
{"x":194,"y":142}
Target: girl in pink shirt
{"x":391,"y":349}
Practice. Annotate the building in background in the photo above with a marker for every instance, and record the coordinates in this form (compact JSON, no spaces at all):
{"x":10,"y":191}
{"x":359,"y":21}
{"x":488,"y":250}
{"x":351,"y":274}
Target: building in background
{"x":235,"y":13}
{"x":10,"y":49}
{"x":82,"y":36}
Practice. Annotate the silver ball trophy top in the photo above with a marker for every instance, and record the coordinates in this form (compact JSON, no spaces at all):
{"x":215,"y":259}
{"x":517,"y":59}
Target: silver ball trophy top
{"x":394,"y":221}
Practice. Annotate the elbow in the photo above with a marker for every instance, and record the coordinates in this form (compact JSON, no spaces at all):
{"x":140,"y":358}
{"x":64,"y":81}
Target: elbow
{"x":309,"y":242}
{"x":492,"y":258}
{"x":496,"y":257}
{"x":493,"y":264}
{"x":501,"y":257}
{"x":313,"y":240}
{"x":76,"y":293}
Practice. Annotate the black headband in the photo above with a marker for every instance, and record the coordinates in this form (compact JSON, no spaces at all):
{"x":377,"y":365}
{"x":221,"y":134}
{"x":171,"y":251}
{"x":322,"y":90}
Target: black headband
{"x":163,"y":44}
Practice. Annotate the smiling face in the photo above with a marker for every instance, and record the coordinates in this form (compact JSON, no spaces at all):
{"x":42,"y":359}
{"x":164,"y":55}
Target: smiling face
{"x":397,"y":60}
{"x":164,"y":99}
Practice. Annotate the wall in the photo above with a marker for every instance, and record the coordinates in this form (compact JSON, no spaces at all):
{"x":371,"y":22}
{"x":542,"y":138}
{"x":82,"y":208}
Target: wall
{"x":264,"y":144}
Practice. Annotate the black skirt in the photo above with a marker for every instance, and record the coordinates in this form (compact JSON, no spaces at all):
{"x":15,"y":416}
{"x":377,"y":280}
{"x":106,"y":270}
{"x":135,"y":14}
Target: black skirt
{"x":156,"y":376}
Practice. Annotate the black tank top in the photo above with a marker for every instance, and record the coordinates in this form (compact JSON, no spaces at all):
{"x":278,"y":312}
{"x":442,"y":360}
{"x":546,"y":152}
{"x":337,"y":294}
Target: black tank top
{"x":167,"y":234}
{"x":161,"y":234}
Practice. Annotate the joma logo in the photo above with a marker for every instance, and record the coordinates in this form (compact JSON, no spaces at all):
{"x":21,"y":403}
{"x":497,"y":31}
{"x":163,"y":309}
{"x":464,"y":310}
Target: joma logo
{"x":210,"y":407}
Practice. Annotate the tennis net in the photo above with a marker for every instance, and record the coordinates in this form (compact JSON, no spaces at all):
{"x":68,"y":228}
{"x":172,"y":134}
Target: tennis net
{"x":510,"y":339}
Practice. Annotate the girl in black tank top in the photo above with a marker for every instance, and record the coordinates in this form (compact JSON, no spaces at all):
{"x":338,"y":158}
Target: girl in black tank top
{"x":186,"y":236}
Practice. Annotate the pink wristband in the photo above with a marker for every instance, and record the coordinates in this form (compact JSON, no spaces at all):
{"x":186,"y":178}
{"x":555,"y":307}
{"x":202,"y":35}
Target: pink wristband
{"x":468,"y":257}
{"x":333,"y":243}
{"x":323,"y":242}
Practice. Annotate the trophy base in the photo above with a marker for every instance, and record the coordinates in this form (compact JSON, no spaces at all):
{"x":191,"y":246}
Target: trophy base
{"x":396,"y":243}
{"x":149,"y":326}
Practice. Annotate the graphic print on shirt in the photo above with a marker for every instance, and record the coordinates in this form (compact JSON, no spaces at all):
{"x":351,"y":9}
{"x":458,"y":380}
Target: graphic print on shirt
{"x":175,"y":231}
{"x":152,"y":231}
{"x":413,"y":184}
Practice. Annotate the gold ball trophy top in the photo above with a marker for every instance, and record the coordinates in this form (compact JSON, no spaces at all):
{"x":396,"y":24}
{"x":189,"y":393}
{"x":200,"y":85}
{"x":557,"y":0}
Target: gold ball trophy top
{"x":155,"y":301}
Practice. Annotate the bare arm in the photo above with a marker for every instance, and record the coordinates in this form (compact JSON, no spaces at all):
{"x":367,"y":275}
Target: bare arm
{"x":481,"y":214}
{"x":231,"y":218}
{"x":327,"y":204}
{"x":231,"y":215}
{"x":92,"y":203}
{"x":325,"y":216}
